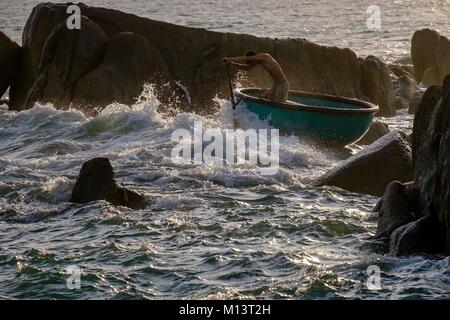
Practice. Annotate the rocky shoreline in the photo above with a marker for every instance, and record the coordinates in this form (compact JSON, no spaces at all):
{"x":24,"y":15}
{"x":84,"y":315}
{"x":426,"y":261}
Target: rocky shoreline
{"x":115,"y":54}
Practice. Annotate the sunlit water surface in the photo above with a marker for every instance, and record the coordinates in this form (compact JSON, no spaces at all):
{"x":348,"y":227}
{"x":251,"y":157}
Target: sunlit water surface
{"x":210,"y":231}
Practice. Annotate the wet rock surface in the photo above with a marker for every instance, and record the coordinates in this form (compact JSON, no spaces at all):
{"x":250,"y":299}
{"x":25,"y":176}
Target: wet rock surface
{"x":426,"y":200}
{"x":372,"y":169}
{"x":172,"y":53}
{"x":96,"y":182}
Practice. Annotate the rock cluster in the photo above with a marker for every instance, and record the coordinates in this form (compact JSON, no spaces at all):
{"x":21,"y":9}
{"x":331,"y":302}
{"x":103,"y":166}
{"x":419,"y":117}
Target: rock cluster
{"x":96,"y":182}
{"x":415,"y":217}
{"x":115,"y":53}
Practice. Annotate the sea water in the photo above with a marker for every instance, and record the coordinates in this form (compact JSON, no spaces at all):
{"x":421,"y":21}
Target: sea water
{"x":211,"y":231}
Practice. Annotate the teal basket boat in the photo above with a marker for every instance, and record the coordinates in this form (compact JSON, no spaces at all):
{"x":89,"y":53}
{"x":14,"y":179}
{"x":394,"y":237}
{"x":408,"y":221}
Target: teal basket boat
{"x":330,"y":119}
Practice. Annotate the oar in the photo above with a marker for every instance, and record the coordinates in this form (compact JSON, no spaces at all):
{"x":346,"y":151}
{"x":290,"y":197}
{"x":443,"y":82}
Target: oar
{"x":233,"y":102}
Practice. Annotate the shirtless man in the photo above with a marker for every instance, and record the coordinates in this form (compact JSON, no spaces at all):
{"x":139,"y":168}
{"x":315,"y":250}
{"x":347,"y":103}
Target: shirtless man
{"x":280,"y":87}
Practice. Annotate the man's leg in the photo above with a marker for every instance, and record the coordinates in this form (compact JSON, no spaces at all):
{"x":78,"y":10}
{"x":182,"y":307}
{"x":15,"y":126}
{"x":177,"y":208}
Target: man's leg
{"x":281,"y":93}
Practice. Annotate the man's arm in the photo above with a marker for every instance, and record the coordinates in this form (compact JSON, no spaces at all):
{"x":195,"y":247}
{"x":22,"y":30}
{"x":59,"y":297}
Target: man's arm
{"x":247,"y":59}
{"x":241,"y":66}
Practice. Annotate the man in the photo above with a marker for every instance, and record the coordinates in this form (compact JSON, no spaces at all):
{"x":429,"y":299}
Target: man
{"x":280,"y":87}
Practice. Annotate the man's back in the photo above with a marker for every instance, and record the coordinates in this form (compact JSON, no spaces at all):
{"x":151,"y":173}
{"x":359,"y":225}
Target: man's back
{"x":272,"y":67}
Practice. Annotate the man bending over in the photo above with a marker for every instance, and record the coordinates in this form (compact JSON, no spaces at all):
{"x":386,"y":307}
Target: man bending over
{"x":280,"y":87}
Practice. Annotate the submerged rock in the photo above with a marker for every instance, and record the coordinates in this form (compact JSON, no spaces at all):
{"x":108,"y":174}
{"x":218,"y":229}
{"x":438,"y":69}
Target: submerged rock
{"x":430,"y":53}
{"x":377,"y":130}
{"x":96,"y":182}
{"x":429,"y":199}
{"x":372,"y":169}
{"x":9,"y":62}
{"x":178,"y":54}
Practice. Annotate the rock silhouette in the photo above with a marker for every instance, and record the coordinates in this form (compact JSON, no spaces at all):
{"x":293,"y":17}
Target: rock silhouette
{"x":419,"y":212}
{"x":96,"y":182}
{"x":9,"y":62}
{"x":372,"y":169}
{"x":88,"y":67}
{"x":430,"y":53}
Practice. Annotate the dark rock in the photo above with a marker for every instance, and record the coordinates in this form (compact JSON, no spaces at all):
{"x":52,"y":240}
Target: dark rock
{"x":415,"y":102}
{"x":431,"y":141}
{"x":430,"y":231}
{"x":377,"y":85}
{"x":130,"y":62}
{"x":402,"y":70}
{"x":417,"y":237}
{"x":96,"y":182}
{"x":67,"y":56}
{"x":193,"y":57}
{"x":407,"y":60}
{"x":372,"y":169}
{"x":431,"y":56}
{"x":377,"y":130}
{"x":398,"y":207}
{"x":9,"y":62}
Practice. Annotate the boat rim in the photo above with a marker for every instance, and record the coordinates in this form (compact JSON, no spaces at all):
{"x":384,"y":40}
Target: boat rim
{"x":368,"y":108}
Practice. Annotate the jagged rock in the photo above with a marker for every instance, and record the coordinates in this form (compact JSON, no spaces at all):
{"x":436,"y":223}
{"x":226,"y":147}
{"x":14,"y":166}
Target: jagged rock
{"x":373,"y":168}
{"x":398,"y":207}
{"x":431,"y":56}
{"x":67,"y":56}
{"x":377,"y":85}
{"x":377,"y":130}
{"x":430,"y":231}
{"x":424,"y":113}
{"x":193,"y":57}
{"x":96,"y":182}
{"x":431,"y":152}
{"x":130,"y":62}
{"x":415,"y":102}
{"x":9,"y":62}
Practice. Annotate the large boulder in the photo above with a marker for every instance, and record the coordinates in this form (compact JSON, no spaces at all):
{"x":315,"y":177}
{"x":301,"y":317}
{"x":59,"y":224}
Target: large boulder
{"x":429,"y":231}
{"x":377,"y":85}
{"x":372,"y":169}
{"x":96,"y":182}
{"x":377,"y":130}
{"x":430,"y":53}
{"x":9,"y":62}
{"x":193,"y":58}
{"x":130,"y":61}
{"x":67,"y":56}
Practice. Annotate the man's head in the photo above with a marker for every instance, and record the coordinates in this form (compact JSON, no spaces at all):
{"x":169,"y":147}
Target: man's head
{"x":251,"y":53}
